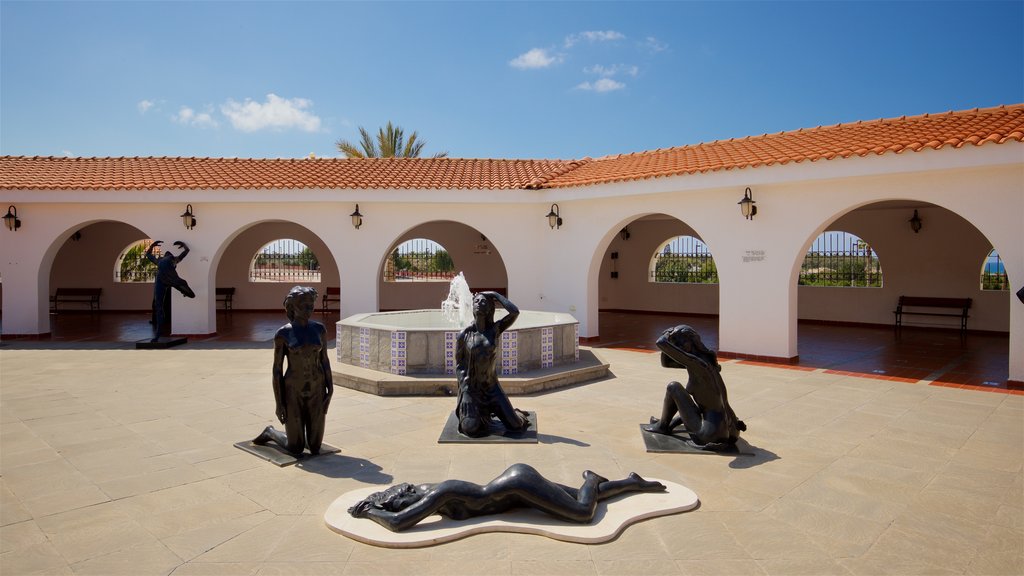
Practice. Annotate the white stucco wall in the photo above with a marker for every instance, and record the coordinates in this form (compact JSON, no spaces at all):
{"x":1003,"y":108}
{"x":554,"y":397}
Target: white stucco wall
{"x":565,"y":269}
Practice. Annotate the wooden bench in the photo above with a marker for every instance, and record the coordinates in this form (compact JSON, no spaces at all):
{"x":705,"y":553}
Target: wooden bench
{"x":961,"y":305}
{"x":225,"y":295}
{"x":90,"y":296}
{"x":331,"y":294}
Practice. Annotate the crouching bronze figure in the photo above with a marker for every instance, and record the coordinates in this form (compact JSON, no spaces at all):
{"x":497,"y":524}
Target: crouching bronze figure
{"x":520,"y":486}
{"x":702,"y":406}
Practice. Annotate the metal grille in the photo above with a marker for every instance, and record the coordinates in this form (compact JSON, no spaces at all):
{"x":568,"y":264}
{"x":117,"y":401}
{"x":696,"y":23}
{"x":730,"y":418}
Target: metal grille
{"x":419,"y":260}
{"x":285,"y":260}
{"x":684,"y":259}
{"x":840,"y":259}
{"x":993,"y":273}
{"x":133,"y":266}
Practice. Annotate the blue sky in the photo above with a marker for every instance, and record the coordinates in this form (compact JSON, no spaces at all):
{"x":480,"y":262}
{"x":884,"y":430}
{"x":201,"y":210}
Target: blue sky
{"x":492,"y":80}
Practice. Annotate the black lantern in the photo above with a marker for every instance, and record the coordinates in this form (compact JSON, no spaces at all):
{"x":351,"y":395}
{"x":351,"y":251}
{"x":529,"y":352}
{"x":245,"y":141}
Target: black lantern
{"x":188,"y":218}
{"x":357,"y":218}
{"x":915,"y":223}
{"x":11,"y":219}
{"x":747,"y":207}
{"x":554,"y":220}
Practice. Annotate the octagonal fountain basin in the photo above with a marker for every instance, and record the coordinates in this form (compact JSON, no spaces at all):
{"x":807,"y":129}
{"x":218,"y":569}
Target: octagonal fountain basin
{"x":413,"y":342}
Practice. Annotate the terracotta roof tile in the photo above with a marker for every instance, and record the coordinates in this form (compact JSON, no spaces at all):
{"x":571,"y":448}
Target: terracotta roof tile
{"x":929,"y":131}
{"x":976,"y":127}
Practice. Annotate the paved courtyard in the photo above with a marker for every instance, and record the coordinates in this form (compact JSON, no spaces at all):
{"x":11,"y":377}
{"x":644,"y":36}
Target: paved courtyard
{"x":117,"y":461}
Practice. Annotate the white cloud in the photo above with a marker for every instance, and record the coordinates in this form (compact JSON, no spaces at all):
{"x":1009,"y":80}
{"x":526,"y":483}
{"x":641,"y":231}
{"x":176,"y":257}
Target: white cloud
{"x":67,"y":153}
{"x":535,"y":58}
{"x":276,"y":113}
{"x":593,"y":36}
{"x":654,"y":45}
{"x":145,"y":105}
{"x":602,"y":85}
{"x":190,"y":117}
{"x":613,"y":70}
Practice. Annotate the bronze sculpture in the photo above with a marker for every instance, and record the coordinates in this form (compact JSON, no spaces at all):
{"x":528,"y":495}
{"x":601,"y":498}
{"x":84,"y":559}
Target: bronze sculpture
{"x":303,"y":392}
{"x":166,"y":278}
{"x":480,"y":396}
{"x":702,"y":406}
{"x":520,"y":486}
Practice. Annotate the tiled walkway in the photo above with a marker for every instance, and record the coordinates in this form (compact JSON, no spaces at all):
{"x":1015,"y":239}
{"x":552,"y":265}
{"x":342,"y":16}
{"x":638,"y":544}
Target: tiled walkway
{"x":935,"y":356}
{"x":120,"y":461}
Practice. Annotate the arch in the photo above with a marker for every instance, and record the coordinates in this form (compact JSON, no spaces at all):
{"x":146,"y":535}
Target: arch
{"x":939,"y":260}
{"x":683,"y":259}
{"x":993,"y":272}
{"x":132,"y":266}
{"x":841,"y":259}
{"x":81,"y":255}
{"x":621,"y":284}
{"x":231,"y":262}
{"x":470,"y":252}
{"x":419,"y":260}
{"x":285,"y":260}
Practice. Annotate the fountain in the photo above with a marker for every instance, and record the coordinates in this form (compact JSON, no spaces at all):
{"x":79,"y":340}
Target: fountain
{"x":421,"y":344}
{"x":457,"y":308}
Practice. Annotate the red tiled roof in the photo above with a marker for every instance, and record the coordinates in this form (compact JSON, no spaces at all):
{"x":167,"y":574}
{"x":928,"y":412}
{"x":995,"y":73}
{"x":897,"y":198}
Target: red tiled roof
{"x":955,"y":129}
{"x":48,"y":173}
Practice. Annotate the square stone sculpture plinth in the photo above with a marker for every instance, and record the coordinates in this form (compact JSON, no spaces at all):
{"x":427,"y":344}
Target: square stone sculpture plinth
{"x":676,"y":444}
{"x":498,"y":433}
{"x":274,"y":454}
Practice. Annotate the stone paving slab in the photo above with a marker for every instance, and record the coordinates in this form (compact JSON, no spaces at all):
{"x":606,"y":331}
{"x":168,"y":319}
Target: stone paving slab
{"x":114,"y":460}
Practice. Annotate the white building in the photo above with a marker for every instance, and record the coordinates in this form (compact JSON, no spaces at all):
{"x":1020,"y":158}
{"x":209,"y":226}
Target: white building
{"x":963,"y":172}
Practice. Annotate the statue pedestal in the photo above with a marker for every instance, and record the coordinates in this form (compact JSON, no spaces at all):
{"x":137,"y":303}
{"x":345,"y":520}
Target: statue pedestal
{"x":279,"y":456}
{"x":498,"y":433}
{"x":160,"y":343}
{"x":612,"y":517}
{"x":676,"y":444}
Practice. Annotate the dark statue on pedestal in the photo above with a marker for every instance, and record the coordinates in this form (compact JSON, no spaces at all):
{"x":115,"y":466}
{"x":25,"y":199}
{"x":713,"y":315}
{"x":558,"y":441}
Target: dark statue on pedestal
{"x":166,"y":278}
{"x":702,"y":406}
{"x":478,"y":351}
{"x":303,"y":392}
{"x":520,"y":486}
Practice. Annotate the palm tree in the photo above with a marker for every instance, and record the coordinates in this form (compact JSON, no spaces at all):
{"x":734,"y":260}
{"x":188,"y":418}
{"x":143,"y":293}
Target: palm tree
{"x":390,"y":143}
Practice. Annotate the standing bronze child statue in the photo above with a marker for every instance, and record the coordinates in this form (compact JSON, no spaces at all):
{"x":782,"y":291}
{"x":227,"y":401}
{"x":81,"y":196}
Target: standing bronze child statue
{"x":477,"y":353}
{"x":303,"y":392}
{"x":702,"y":406}
{"x":166,"y":278}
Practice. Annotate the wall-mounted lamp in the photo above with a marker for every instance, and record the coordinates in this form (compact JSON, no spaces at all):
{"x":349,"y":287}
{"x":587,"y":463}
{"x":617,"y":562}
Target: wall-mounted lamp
{"x":188,"y":219}
{"x":554,"y":220}
{"x":915,"y":223}
{"x":357,"y":218}
{"x":11,"y":219}
{"x":624,"y":234}
{"x":76,"y":236}
{"x":747,"y":207}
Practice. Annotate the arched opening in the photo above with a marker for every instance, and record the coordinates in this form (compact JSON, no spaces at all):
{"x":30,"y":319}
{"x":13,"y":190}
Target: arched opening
{"x":132,"y":264}
{"x":993,"y":273}
{"x":683,"y":260}
{"x":261,"y":263}
{"x":839,"y":259}
{"x":416,"y":270}
{"x":285,"y":260}
{"x":91,"y":258}
{"x":657,"y":272}
{"x":419,"y":260}
{"x":845,"y":305}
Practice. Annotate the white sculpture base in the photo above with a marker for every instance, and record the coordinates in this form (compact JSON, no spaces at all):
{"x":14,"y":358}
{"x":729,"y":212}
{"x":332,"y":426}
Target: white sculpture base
{"x":612,"y":517}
